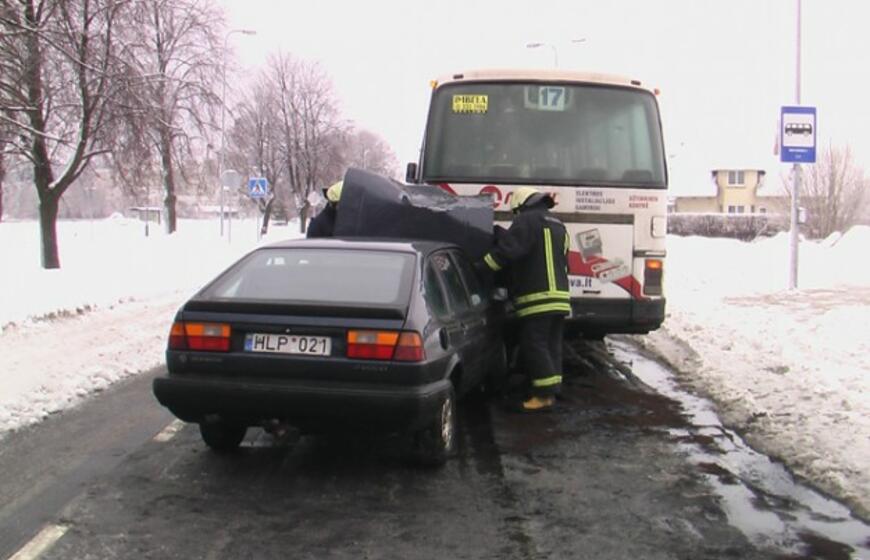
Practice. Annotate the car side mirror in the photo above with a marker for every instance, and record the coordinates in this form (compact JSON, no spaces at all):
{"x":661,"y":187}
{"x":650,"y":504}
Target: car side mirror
{"x":411,"y":173}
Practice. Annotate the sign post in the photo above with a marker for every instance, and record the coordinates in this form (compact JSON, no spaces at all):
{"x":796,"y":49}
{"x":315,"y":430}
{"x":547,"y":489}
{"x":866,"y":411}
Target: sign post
{"x":230,"y":180}
{"x":797,"y":139}
{"x":258,"y":189}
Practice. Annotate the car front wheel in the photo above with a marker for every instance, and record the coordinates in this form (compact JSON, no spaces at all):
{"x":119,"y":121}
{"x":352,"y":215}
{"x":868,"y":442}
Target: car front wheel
{"x":221,"y":436}
{"x":436,"y":442}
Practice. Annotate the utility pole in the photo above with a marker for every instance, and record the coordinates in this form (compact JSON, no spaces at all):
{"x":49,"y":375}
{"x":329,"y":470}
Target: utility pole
{"x":794,"y":237}
{"x":221,"y":155}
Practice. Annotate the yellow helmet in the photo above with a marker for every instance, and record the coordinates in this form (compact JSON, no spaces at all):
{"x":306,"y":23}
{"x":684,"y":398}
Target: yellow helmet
{"x":333,"y":193}
{"x":521,"y":196}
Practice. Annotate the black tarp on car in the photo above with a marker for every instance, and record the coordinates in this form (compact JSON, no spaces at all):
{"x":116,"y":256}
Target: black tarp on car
{"x":375,"y":206}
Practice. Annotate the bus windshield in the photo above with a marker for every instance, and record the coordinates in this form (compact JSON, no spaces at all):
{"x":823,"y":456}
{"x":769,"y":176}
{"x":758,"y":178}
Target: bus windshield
{"x":544,"y":133}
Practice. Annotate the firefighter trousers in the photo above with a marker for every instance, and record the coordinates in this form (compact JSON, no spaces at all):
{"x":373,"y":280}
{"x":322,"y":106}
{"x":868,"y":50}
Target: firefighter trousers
{"x":541,"y":351}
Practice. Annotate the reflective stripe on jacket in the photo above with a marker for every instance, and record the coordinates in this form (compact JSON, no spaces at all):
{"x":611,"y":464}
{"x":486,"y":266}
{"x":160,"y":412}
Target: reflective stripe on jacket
{"x":535,"y":249}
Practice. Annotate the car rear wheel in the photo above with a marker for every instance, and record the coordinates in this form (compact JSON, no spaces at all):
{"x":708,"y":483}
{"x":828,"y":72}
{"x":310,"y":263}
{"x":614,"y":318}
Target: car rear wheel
{"x":222,"y":437}
{"x":435,"y":443}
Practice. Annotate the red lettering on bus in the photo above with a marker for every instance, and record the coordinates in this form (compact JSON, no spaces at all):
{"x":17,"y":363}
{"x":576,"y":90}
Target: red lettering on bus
{"x":495,"y":192}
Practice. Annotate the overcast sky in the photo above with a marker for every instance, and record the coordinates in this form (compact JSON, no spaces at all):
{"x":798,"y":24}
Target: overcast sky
{"x":724,"y":68}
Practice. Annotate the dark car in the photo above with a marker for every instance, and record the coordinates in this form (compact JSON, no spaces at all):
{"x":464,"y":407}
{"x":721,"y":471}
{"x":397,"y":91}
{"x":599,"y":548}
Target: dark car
{"x":335,"y":335}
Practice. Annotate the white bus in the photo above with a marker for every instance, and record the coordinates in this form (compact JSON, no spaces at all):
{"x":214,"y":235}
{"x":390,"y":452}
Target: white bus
{"x":595,"y":142}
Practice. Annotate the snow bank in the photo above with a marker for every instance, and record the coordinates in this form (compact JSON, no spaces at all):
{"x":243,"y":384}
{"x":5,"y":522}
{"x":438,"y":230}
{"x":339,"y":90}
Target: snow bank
{"x":788,"y":369}
{"x":106,"y":313}
{"x":109,"y":261}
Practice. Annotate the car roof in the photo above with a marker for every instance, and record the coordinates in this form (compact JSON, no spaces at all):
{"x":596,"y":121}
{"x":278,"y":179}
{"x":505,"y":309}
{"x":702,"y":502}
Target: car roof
{"x":421,"y":246}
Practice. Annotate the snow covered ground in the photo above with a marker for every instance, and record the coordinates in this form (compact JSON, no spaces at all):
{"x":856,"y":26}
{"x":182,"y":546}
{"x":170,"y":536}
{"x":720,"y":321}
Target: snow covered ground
{"x":106,"y":313}
{"x":790,"y":370}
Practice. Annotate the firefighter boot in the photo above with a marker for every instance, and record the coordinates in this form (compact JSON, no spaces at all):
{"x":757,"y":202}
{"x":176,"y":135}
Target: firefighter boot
{"x":538,"y":404}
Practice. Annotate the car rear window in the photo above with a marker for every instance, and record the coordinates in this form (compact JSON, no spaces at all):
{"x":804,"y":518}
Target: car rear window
{"x":331,"y":276}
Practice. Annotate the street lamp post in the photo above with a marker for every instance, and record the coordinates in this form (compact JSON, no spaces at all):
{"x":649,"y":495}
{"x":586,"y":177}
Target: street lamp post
{"x":794,"y":233}
{"x":224,"y":112}
{"x":555,"y":52}
{"x":553,"y":47}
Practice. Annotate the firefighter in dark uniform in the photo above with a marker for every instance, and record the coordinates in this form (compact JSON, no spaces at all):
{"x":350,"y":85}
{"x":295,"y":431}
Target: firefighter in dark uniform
{"x":534,"y":251}
{"x":323,"y":224}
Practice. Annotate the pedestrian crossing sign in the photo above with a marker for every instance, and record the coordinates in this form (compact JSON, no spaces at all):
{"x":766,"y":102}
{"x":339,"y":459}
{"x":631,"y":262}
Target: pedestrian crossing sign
{"x":258,"y":187}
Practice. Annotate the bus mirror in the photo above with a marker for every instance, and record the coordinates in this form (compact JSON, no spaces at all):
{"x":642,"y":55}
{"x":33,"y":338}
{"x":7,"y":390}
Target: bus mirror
{"x":411,"y":173}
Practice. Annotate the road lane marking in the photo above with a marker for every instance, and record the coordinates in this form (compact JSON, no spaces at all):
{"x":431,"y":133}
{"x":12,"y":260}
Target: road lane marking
{"x":169,"y":431}
{"x":46,"y":538}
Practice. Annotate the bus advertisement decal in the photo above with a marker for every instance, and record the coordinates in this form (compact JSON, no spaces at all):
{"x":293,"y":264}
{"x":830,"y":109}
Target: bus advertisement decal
{"x":617,"y":274}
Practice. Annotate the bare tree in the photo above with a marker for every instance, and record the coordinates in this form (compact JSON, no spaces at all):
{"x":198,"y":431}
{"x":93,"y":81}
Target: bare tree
{"x":367,"y":150}
{"x":289,"y":130}
{"x":57,"y":59}
{"x":173,"y":52}
{"x":2,"y":173}
{"x":311,"y":131}
{"x":833,"y":191}
{"x":4,"y":142}
{"x":255,"y":144}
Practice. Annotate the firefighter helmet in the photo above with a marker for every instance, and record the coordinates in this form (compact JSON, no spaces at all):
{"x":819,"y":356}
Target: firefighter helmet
{"x":528,"y":196}
{"x":333,"y":193}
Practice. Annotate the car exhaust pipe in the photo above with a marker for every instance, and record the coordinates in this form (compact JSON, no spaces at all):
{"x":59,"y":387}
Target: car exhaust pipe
{"x":280,"y":430}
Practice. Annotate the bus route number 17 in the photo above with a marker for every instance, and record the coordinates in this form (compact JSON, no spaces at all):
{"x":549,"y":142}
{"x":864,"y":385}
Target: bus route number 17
{"x":551,"y":98}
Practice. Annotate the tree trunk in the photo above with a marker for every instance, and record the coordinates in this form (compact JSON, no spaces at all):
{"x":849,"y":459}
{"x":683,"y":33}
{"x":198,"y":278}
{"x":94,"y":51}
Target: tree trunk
{"x":48,"y":207}
{"x":267,"y":213}
{"x":2,"y":176}
{"x":302,"y":216}
{"x":170,"y":197}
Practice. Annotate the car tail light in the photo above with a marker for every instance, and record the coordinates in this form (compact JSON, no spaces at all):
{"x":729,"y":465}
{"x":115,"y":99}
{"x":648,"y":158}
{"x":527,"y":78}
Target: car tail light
{"x":209,"y":337}
{"x":177,"y":338}
{"x":385,"y":345}
{"x":371,"y":345}
{"x":652,"y":277}
{"x":409,"y":348}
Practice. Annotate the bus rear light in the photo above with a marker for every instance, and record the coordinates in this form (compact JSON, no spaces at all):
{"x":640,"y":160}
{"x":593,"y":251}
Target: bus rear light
{"x":653,"y":272}
{"x":206,"y":337}
{"x":385,"y":345}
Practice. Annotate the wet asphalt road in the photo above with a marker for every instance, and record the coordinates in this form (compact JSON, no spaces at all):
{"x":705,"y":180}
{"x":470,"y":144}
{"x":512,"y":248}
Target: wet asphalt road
{"x":602,"y":477}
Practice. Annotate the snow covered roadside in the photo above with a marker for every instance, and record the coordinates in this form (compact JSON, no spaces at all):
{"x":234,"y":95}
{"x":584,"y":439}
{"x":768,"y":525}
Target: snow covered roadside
{"x":54,"y":364}
{"x":105,"y":315}
{"x":789,"y":370}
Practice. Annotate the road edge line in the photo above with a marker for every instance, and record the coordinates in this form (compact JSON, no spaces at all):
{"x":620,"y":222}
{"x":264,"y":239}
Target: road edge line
{"x":169,"y":431}
{"x":43,"y":540}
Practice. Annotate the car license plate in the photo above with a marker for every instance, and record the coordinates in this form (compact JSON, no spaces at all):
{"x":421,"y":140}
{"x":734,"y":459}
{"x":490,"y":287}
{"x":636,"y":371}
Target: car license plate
{"x":288,"y":344}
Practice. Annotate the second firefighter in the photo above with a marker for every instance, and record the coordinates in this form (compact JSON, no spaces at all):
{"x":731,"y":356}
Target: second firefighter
{"x":534,"y":251}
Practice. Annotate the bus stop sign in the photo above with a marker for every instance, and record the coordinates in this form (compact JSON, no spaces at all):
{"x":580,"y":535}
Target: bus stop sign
{"x":797,"y":135}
